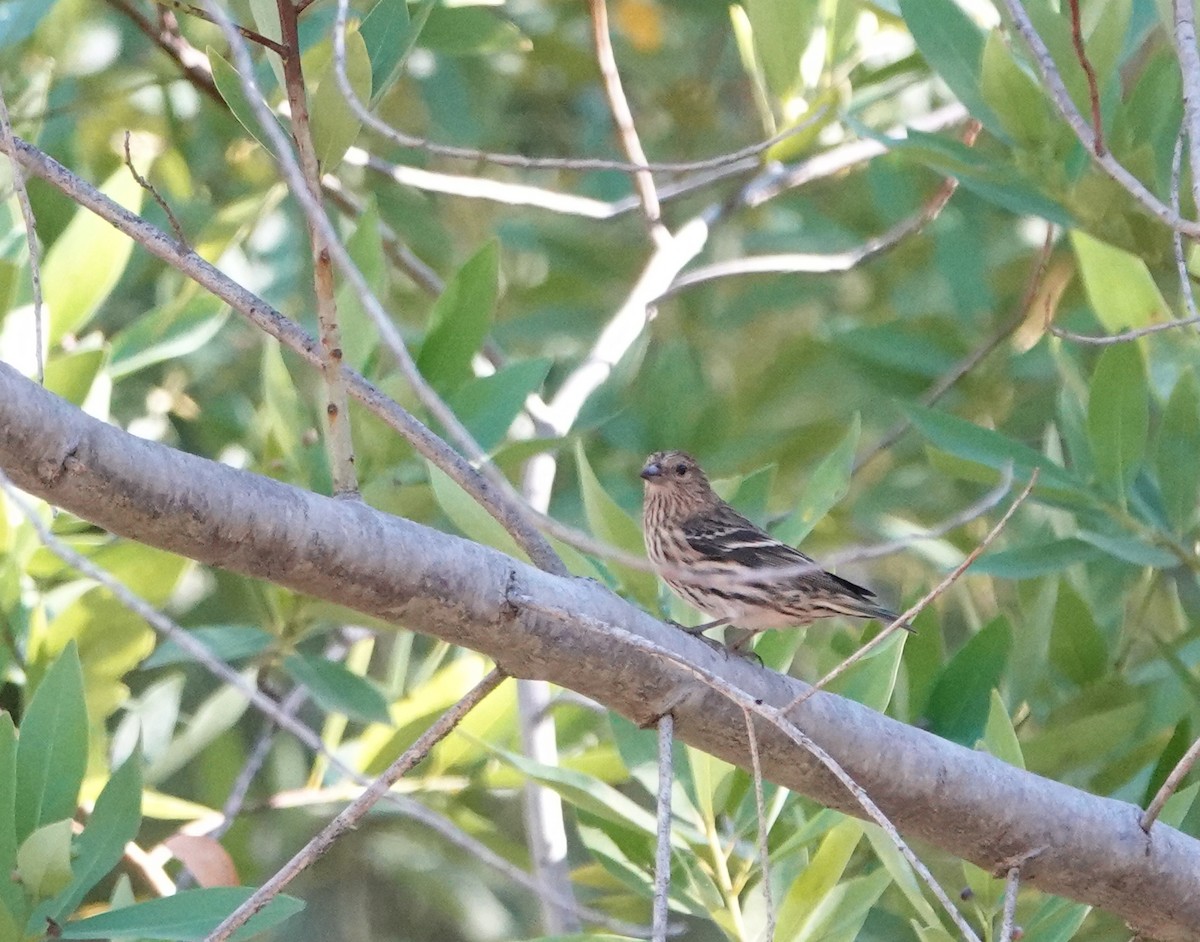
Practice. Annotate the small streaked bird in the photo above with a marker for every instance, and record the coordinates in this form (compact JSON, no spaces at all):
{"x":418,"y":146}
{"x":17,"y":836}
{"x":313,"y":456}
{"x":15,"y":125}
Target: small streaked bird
{"x":731,"y":570}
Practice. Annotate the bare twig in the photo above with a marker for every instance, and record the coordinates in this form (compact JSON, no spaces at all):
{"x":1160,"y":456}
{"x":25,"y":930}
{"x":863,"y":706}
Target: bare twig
{"x":1086,"y":63}
{"x":1008,"y":922}
{"x":1168,"y":787}
{"x":153,"y":191}
{"x":1105,"y":340}
{"x":1181,"y":268}
{"x":354,"y":812}
{"x":193,"y":63}
{"x":618,"y":104}
{"x":1053,"y":84}
{"x":252,"y":35}
{"x":31,"y":239}
{"x":764,"y":852}
{"x":1189,"y":71}
{"x":337,"y":405}
{"x":925,"y":600}
{"x":662,"y":847}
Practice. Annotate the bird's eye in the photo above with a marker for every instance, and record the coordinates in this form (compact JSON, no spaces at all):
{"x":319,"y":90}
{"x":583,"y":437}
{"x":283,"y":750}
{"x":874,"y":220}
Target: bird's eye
{"x":681,"y":469}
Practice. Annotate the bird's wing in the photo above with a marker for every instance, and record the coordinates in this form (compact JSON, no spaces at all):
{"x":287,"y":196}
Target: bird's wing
{"x":724,"y":535}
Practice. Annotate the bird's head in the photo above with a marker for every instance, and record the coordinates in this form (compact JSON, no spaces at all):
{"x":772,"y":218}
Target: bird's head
{"x":675,"y":475}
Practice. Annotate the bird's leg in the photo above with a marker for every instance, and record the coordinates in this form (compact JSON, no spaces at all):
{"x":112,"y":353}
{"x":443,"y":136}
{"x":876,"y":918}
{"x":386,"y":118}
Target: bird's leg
{"x":697,"y":629}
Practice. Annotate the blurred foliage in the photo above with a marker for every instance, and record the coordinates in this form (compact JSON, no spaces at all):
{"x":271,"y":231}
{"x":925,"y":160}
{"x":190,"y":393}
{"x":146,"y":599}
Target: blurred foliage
{"x":1070,"y":648}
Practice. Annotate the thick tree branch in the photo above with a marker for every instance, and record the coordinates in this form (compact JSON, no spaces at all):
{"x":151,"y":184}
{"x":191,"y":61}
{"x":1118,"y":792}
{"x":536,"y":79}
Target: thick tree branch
{"x":966,"y":802}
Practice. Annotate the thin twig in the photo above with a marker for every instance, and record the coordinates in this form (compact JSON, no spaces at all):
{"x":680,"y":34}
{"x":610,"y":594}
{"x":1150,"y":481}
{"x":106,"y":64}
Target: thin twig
{"x":252,"y":35}
{"x":337,"y":406}
{"x":1167,"y":789}
{"x":1086,"y":63}
{"x":662,"y":847}
{"x":1105,"y":340}
{"x":191,"y":61}
{"x":356,"y":810}
{"x":1057,"y":90}
{"x":913,"y":611}
{"x":153,"y":191}
{"x":760,"y":809}
{"x":618,"y":104}
{"x":1189,"y":72}
{"x":1008,"y":922}
{"x":1181,"y":267}
{"x":825,"y":263}
{"x":31,"y":239}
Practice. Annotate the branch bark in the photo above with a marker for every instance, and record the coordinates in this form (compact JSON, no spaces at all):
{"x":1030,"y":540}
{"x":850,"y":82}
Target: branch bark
{"x":965,"y":802}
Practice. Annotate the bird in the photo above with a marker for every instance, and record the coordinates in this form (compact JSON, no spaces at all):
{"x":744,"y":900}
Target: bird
{"x":730,"y":569}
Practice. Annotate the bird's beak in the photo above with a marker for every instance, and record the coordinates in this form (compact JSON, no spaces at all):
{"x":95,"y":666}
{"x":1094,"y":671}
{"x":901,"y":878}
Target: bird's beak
{"x":651,"y":471}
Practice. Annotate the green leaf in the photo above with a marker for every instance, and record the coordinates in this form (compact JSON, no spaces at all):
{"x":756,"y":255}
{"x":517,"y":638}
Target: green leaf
{"x":999,"y":736}
{"x":10,"y":893}
{"x":460,"y":320}
{"x":1175,"y":456}
{"x":961,"y":698}
{"x":1119,"y":286}
{"x":167,"y":333}
{"x":229,"y":84}
{"x":953,"y":46}
{"x":1130,"y":549}
{"x":993,"y":450}
{"x":1027,"y":562}
{"x":227,"y":642}
{"x":1056,"y":920}
{"x":338,"y":689}
{"x":1015,"y":97}
{"x":468,"y":516}
{"x":71,"y":375}
{"x":335,"y":125}
{"x":1119,"y":415}
{"x":782,"y":29}
{"x":53,"y":747}
{"x":872,"y":680}
{"x":801,"y":903}
{"x":710,"y":779}
{"x":470,"y":31}
{"x":487,"y":405}
{"x":390,"y":34}
{"x":44,"y":861}
{"x":185,"y":917}
{"x":610,"y":523}
{"x":112,"y":825}
{"x":1077,"y":648}
{"x":85,"y":263}
{"x":826,"y":486}
{"x":1175,"y":749}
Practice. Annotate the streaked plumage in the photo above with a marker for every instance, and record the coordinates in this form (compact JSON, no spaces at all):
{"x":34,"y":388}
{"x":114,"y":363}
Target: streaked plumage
{"x":718,"y":561}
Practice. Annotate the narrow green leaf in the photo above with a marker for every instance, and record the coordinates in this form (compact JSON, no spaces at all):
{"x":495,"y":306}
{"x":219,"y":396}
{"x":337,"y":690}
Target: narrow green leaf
{"x":185,"y":917}
{"x":229,"y":84}
{"x":710,"y":778}
{"x":872,"y":680}
{"x":1176,"y":746}
{"x":470,"y":31}
{"x":390,"y":34}
{"x":112,"y":825}
{"x":1027,"y":562}
{"x":1175,"y":458}
{"x":959,"y":704}
{"x":953,"y":46}
{"x":167,"y":333}
{"x":610,"y":523}
{"x":335,"y":125}
{"x":1119,"y":415}
{"x":85,"y":263}
{"x":1119,"y":286}
{"x":1077,"y":648}
{"x":781,"y":29}
{"x":802,"y":901}
{"x":1056,"y":920}
{"x":460,"y":320}
{"x":1130,"y":549}
{"x":71,"y":375}
{"x":1015,"y":97}
{"x":999,"y":736}
{"x":487,"y":405}
{"x":10,"y":893}
{"x":227,"y":642}
{"x":53,"y":747}
{"x":338,"y":689}
{"x":826,"y":486}
{"x":468,"y":516}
